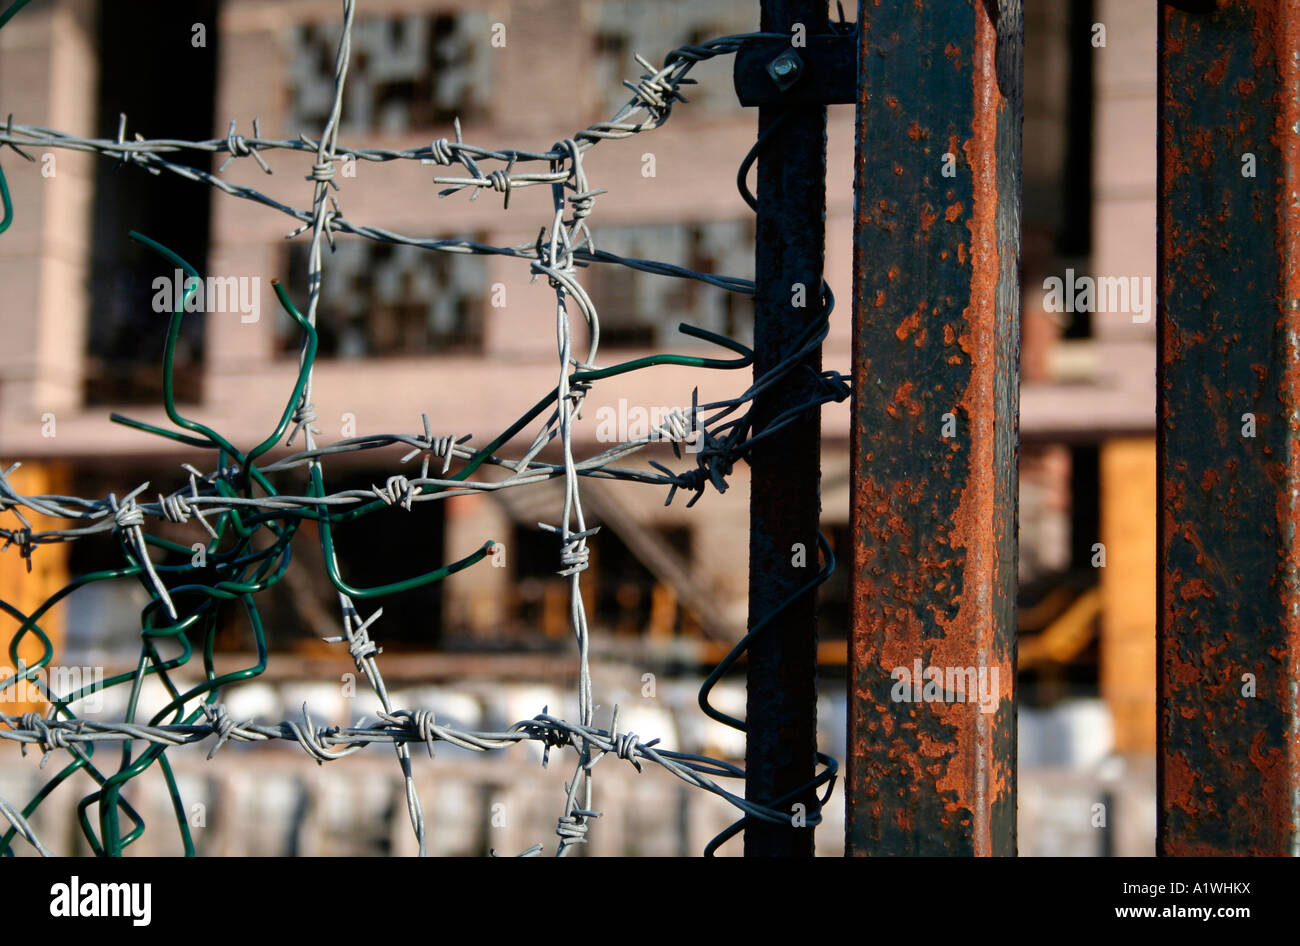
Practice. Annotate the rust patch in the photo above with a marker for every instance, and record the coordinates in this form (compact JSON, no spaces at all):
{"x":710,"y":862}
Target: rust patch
{"x":907,"y":326}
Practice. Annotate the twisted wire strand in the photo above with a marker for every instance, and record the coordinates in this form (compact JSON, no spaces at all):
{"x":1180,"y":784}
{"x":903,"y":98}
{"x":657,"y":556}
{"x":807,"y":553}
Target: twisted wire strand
{"x":19,"y":823}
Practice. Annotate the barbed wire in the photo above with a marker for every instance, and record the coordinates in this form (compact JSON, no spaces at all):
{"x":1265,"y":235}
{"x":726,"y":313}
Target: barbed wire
{"x":398,"y":727}
{"x":236,"y":501}
{"x":654,"y":95}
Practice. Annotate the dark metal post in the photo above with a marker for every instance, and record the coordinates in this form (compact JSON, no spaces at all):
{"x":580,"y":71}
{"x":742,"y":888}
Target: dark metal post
{"x":936,"y":322}
{"x":781,"y":709}
{"x":1228,"y":433}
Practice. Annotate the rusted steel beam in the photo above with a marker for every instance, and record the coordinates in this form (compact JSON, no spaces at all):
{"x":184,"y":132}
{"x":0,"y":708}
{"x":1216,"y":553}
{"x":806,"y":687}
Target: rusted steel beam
{"x":936,"y":322}
{"x":1229,"y":434}
{"x":784,"y":503}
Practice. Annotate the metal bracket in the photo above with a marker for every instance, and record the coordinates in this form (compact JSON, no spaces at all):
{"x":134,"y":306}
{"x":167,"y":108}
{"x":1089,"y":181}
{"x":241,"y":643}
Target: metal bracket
{"x":773,"y":72}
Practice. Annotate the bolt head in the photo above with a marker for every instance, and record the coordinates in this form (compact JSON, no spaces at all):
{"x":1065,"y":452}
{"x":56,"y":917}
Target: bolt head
{"x":785,"y":69}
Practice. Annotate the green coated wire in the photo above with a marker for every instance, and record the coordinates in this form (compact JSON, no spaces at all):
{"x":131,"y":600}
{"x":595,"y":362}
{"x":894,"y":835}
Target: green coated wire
{"x":5,"y":17}
{"x":169,"y":351}
{"x":271,"y":565}
{"x":8,"y":204}
{"x":110,"y":841}
{"x":13,"y":8}
{"x":304,"y":375}
{"x":111,"y":790}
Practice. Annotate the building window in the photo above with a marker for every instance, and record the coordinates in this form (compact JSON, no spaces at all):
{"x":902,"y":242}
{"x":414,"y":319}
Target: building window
{"x":124,"y":334}
{"x":405,"y":73}
{"x":835,"y":595}
{"x":620,"y":593}
{"x":628,"y":27}
{"x":382,"y":299}
{"x":642,"y":309}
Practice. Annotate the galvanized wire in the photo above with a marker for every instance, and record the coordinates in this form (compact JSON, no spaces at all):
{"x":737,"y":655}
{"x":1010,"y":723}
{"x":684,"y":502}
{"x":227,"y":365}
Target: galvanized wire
{"x":15,"y":818}
{"x":235,"y":501}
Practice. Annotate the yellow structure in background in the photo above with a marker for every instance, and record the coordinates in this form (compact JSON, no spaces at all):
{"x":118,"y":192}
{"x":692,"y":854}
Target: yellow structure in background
{"x":28,"y":591}
{"x":1128,"y":590}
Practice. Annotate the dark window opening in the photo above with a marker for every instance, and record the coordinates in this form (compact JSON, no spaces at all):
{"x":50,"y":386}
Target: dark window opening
{"x":150,"y":71}
{"x":835,"y":596}
{"x":384,"y":546}
{"x":610,"y":44}
{"x":1075,"y":237}
{"x":639,"y":310}
{"x":624,"y":27}
{"x":405,"y":73}
{"x":378,"y":299}
{"x":388,"y":545}
{"x":621,"y":595}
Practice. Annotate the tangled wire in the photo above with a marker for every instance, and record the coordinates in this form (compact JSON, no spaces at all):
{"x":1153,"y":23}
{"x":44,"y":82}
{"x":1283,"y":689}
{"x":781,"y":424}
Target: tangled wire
{"x":250,"y":525}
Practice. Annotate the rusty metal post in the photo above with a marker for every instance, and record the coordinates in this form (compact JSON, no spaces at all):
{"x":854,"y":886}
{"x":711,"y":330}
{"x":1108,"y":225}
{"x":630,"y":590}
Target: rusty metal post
{"x":784,"y":505}
{"x":936,"y":323}
{"x":1228,"y":429}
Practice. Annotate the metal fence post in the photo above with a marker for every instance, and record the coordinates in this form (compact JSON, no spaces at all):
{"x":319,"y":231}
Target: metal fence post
{"x":1229,"y":388}
{"x":936,"y":321}
{"x":781,"y":707}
